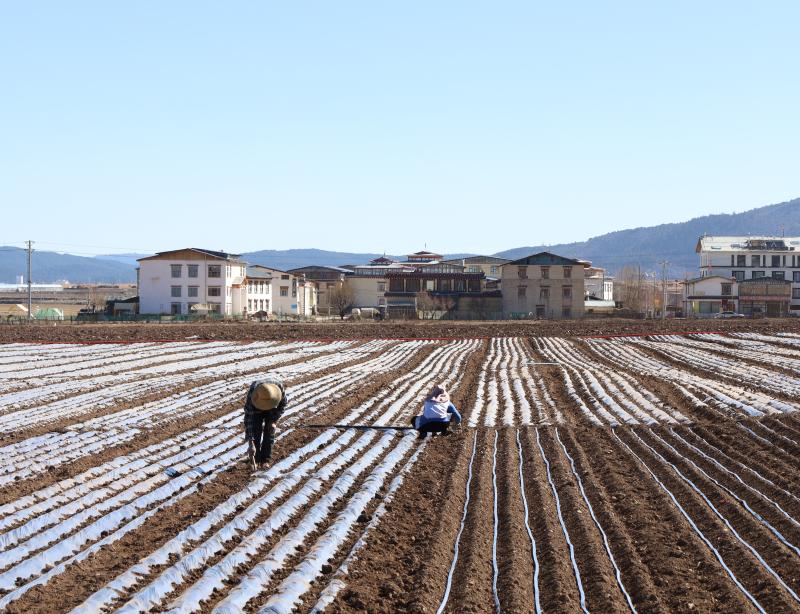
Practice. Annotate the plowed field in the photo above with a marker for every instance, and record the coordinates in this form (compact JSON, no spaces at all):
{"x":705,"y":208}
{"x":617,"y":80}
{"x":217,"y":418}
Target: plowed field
{"x":617,"y":474}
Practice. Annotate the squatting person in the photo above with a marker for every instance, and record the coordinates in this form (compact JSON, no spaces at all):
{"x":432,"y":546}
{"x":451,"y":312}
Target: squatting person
{"x":266,"y":402}
{"x":436,"y":413}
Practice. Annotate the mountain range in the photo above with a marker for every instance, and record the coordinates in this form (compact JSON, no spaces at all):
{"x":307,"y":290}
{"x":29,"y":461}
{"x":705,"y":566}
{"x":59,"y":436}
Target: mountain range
{"x":645,"y":247}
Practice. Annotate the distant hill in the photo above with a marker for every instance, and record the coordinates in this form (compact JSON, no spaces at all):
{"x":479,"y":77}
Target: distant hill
{"x":129,"y":259}
{"x":637,"y":246}
{"x":672,"y":242}
{"x":295,"y":258}
{"x":52,"y":266}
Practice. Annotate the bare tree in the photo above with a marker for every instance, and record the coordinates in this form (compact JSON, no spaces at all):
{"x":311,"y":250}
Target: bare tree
{"x":342,"y":299}
{"x":631,"y":289}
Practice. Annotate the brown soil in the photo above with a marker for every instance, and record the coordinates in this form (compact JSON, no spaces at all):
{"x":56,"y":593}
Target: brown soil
{"x":664,"y":565}
{"x":86,"y":333}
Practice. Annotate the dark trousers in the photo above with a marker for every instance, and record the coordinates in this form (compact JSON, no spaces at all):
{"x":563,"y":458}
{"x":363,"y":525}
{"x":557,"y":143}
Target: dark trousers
{"x":430,"y":427}
{"x":265,"y":436}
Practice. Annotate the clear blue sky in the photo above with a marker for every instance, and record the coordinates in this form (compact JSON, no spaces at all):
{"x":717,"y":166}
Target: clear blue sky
{"x":372,"y":126}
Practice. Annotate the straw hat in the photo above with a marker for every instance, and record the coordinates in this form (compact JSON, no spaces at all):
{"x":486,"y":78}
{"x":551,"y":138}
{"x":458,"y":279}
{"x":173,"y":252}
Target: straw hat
{"x":266,"y":397}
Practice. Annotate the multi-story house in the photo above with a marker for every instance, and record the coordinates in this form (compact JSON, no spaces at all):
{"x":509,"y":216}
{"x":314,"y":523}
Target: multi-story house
{"x":706,"y":296}
{"x":598,"y":285}
{"x":490,"y":266}
{"x":173,"y":282}
{"x":369,"y":282}
{"x":280,"y":292}
{"x":259,"y":290}
{"x":326,"y":279}
{"x":748,"y":258}
{"x":544,"y":285}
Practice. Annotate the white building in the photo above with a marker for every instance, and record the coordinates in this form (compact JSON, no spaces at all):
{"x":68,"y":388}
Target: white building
{"x":279,"y":293}
{"x":598,"y":285}
{"x":173,"y":282}
{"x":746,"y":258}
{"x":709,"y":295}
{"x":259,"y":290}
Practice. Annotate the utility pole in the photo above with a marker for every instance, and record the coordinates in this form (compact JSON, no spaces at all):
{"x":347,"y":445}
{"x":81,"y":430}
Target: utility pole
{"x":30,"y":287}
{"x":664,"y":264}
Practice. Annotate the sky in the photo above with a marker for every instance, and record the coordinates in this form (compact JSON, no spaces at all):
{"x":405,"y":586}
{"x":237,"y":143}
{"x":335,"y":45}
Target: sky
{"x":387,"y":127}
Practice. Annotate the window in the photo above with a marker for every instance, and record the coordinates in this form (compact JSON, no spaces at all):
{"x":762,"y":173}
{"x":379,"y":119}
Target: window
{"x":175,"y":309}
{"x":214,"y":270}
{"x":758,"y":274}
{"x":176,"y":270}
{"x":382,"y":286}
{"x":228,"y":271}
{"x":544,"y":294}
{"x":227,"y":290}
{"x":285,"y":277}
{"x":776,"y":261}
{"x":567,"y":272}
{"x":191,"y":269}
{"x":284,"y":290}
{"x":214,"y":291}
{"x":741,"y":260}
{"x":726,"y":289}
{"x":522,"y":272}
{"x":192,"y":291}
{"x":493,"y":270}
{"x":779,"y":275}
{"x":566,"y":293}
{"x":795,"y":292}
{"x":796,"y":277}
{"x":566,"y":312}
{"x":175,"y":291}
{"x":738,"y":275}
{"x":522,"y":292}
{"x":545,"y":272}
{"x":473,"y":269}
{"x":755,"y":260}
{"x":249,"y":304}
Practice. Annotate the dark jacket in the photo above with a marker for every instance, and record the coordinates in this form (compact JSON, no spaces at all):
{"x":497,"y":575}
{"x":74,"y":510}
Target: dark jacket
{"x":253,"y":416}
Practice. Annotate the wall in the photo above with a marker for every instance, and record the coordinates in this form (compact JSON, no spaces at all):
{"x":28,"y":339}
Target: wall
{"x":532,"y":302}
{"x":365,"y":290}
{"x":156,"y":281}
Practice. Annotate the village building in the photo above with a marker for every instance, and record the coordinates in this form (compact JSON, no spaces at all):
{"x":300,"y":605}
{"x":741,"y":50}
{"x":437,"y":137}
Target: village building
{"x":369,"y":282}
{"x":279,"y":293}
{"x":259,"y":290}
{"x":765,"y":296}
{"x":188,"y":280}
{"x":598,"y":285}
{"x":707,"y":296}
{"x":543,"y":285}
{"x":326,"y":278}
{"x":490,"y":266}
{"x":756,"y":257}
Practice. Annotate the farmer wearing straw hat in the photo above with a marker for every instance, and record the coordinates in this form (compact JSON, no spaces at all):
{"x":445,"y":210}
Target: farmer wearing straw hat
{"x":266,"y":402}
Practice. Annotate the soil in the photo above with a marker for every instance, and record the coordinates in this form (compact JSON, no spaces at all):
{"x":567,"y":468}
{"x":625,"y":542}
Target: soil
{"x":641,"y":483}
{"x":401,"y":329}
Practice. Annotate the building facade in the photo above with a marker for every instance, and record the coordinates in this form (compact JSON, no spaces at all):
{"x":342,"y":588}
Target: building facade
{"x":707,"y":296}
{"x":748,"y":258}
{"x":174,"y":282}
{"x":279,"y":293}
{"x":490,"y":266}
{"x":598,"y":285}
{"x":543,"y":285}
{"x":326,"y":279}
